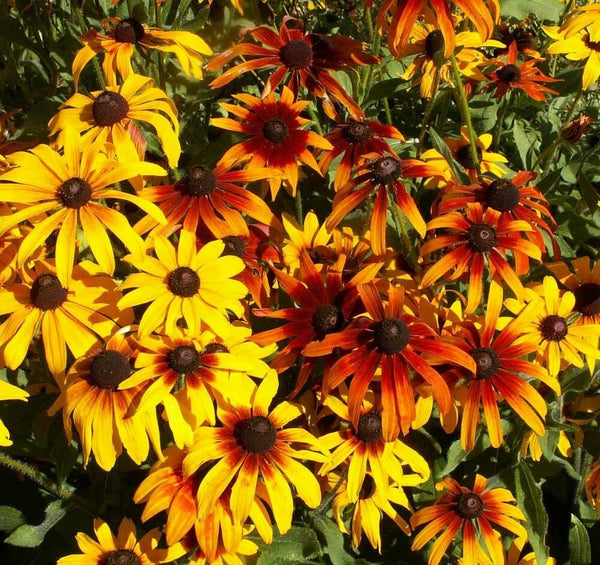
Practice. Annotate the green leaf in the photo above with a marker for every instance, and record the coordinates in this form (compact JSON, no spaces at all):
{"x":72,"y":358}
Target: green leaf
{"x":334,"y":542}
{"x":579,"y":543}
{"x":32,"y":536}
{"x":589,"y":193}
{"x":542,"y":9}
{"x":576,"y":381}
{"x":456,"y":455}
{"x":522,"y":141}
{"x":299,"y":545}
{"x":10,"y":519}
{"x":441,"y":146}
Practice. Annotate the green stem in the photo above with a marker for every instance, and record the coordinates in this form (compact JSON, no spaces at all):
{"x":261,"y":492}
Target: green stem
{"x":315,"y":118}
{"x":161,"y":61}
{"x":299,"y":211}
{"x":500,"y":119}
{"x":428,"y":110}
{"x":84,"y":28}
{"x":464,"y":110}
{"x":550,"y":149}
{"x":403,"y":233}
{"x":324,"y":506}
{"x":388,"y":114}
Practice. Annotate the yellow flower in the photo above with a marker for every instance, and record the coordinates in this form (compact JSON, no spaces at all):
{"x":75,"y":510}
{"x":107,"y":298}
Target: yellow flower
{"x":9,"y":392}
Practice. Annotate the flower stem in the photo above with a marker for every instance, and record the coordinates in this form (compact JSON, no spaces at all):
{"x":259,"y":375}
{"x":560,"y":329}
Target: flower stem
{"x":325,"y":503}
{"x":403,"y":233}
{"x":464,"y":110}
{"x":315,"y":118}
{"x":161,"y":61}
{"x":428,"y":109}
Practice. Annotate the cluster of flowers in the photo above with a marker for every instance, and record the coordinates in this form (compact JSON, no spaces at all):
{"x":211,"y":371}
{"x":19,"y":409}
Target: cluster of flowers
{"x":378,"y":342}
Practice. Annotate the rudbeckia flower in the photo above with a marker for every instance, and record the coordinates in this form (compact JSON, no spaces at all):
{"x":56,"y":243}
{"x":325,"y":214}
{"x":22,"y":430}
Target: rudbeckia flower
{"x":352,"y":140}
{"x":71,"y":189}
{"x":124,"y":548}
{"x":9,"y":392}
{"x":251,"y":444}
{"x":277,"y":141}
{"x":209,"y":198}
{"x":465,"y":509}
{"x":522,"y":34}
{"x":397,"y":17}
{"x":185,"y":283}
{"x":120,"y":40}
{"x":101,"y":412}
{"x":110,"y":115}
{"x":75,"y":315}
{"x":501,"y":360}
{"x":307,"y":58}
{"x":526,"y":76}
{"x":392,"y":340}
{"x":478,"y":236}
{"x":583,"y":17}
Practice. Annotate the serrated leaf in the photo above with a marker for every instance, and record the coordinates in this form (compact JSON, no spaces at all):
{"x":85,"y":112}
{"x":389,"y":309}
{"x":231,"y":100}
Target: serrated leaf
{"x":10,"y":518}
{"x":32,"y":536}
{"x":299,"y":545}
{"x":443,"y":148}
{"x":580,"y":548}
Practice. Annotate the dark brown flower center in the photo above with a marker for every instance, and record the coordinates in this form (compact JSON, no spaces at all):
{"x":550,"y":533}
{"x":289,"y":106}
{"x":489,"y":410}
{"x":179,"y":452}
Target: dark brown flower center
{"x":487,"y":362}
{"x":508,"y":73}
{"x":391,"y":335}
{"x":256,"y":434}
{"x":109,"y":368}
{"x":215,"y":348}
{"x":369,"y":428}
{"x":386,"y":170}
{"x":184,"y":282}
{"x":120,"y":557}
{"x":275,"y":130}
{"x":469,"y":506}
{"x":482,"y":237}
{"x":183,"y":359}
{"x":554,"y":328}
{"x":587,"y":299}
{"x":199,"y":181}
{"x":327,"y":319}
{"x":234,"y":245}
{"x":367,"y":490}
{"x":465,"y":157}
{"x":502,"y":195}
{"x":75,"y":193}
{"x":593,"y":45}
{"x":47,"y":293}
{"x":434,"y":42}
{"x":129,"y":31}
{"x":109,"y":108}
{"x":356,"y":132}
{"x":296,"y":54}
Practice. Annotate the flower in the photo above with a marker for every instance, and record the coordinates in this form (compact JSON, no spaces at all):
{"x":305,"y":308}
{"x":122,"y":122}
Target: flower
{"x":189,"y":284}
{"x":250,"y":444}
{"x":463,"y":509}
{"x":312,"y":237}
{"x":74,"y":315}
{"x":9,"y":392}
{"x":120,"y":40}
{"x":308,"y":59}
{"x":479,"y":235}
{"x":352,"y":140}
{"x":381,"y":176}
{"x":124,"y":548}
{"x":525,"y":76}
{"x":277,"y":140}
{"x":71,"y":188}
{"x":100,"y":411}
{"x":390,"y":339}
{"x":110,"y":115}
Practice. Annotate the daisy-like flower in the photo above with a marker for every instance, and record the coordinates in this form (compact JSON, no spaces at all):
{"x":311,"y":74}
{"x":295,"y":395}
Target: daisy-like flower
{"x":577,"y":47}
{"x":110,"y":115}
{"x":461,"y":152}
{"x":352,"y":140}
{"x":75,"y":315}
{"x":185,"y":283}
{"x":523,"y":35}
{"x":209,"y":198}
{"x":182,"y":372}
{"x":322,"y":307}
{"x":251,"y":444}
{"x":122,"y":549}
{"x":397,"y":17}
{"x":363,"y":447}
{"x":100,"y":411}
{"x":583,"y":17}
{"x":479,"y":237}
{"x":9,"y":392}
{"x":468,"y":510}
{"x":525,"y":76}
{"x":122,"y":36}
{"x":71,"y":188}
{"x":367,"y":511}
{"x":394,"y":341}
{"x":556,"y":330}
{"x":515,"y":199}
{"x":312,"y":237}
{"x":277,"y":141}
{"x":501,"y":360}
{"x":307,"y":59}
{"x":382,"y":177}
